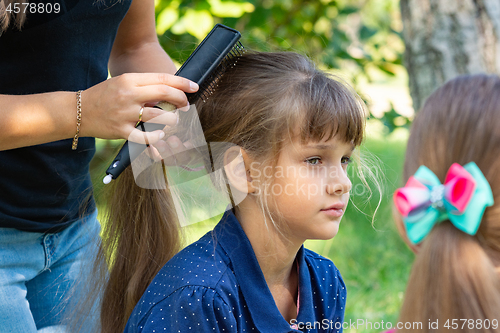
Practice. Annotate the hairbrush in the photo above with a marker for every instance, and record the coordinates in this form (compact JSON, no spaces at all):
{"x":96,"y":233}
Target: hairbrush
{"x":204,"y":66}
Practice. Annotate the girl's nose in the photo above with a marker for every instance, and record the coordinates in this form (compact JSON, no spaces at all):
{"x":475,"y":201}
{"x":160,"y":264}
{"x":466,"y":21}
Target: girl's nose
{"x":339,"y":183}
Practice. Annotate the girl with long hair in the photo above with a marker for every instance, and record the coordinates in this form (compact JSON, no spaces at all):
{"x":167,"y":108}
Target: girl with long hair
{"x":291,"y":132}
{"x":449,"y":211}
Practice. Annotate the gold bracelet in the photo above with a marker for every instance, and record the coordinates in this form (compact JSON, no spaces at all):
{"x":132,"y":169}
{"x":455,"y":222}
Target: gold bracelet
{"x":78,"y":118}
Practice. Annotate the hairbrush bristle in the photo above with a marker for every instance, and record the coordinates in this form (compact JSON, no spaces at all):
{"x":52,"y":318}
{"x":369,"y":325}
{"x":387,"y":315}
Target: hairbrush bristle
{"x":210,"y":84}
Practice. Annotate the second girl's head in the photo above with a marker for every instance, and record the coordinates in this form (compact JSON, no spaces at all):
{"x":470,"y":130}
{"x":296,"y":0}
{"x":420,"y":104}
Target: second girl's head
{"x":455,"y":274}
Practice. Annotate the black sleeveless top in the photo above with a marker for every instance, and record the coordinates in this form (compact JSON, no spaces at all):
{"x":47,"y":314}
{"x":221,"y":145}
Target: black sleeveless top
{"x":47,"y":187}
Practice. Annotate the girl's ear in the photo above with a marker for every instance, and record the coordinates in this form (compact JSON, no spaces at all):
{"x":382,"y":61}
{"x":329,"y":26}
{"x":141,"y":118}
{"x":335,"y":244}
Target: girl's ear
{"x":237,"y":167}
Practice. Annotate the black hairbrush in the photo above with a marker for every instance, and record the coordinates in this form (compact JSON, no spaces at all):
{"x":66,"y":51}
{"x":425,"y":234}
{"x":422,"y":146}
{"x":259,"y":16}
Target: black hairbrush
{"x":204,"y":66}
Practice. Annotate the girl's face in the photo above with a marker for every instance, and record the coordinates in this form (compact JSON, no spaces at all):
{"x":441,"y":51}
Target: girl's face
{"x":311,"y":188}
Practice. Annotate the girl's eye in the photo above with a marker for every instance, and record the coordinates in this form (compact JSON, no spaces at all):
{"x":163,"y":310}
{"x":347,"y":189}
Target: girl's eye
{"x":346,"y":160}
{"x":314,"y":160}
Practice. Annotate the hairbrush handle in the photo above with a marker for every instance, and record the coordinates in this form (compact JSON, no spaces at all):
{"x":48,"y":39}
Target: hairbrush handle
{"x":122,"y":159}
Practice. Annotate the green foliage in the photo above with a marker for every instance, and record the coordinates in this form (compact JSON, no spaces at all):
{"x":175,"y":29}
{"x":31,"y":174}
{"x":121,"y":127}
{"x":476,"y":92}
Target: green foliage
{"x":392,"y":120}
{"x":360,"y":37}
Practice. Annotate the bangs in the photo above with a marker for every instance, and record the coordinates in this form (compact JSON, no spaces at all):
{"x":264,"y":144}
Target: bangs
{"x":327,"y":108}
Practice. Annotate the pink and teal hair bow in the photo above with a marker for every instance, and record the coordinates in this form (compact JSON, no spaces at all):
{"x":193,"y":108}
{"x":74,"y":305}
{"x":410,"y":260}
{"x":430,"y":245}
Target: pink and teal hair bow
{"x":462,"y":199}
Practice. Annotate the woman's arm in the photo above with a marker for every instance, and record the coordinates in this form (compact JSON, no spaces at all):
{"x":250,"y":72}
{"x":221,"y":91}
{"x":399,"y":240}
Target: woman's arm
{"x":110,"y":109}
{"x":136,"y":48}
{"x":27,"y":120}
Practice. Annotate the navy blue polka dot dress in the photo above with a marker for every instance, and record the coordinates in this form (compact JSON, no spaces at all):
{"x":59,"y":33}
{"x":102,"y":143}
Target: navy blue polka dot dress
{"x":216,"y":285}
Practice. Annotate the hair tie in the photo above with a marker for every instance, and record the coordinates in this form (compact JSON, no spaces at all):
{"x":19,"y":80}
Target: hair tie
{"x":462,"y":199}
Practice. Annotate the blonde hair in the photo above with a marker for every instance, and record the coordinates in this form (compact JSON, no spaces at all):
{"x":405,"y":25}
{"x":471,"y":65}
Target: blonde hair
{"x":455,"y":275}
{"x":255,"y":106}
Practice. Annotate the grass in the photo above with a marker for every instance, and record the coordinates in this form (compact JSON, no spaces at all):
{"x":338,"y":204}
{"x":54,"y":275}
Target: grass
{"x":368,"y":251}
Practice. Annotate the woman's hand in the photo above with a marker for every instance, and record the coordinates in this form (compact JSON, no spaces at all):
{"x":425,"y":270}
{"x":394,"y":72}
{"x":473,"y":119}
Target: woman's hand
{"x":110,"y":109}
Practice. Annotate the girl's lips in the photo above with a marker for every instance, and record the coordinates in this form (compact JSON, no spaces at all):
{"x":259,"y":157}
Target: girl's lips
{"x":335,"y":212}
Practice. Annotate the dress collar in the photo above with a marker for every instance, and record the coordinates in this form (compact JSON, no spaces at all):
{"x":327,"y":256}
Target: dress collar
{"x":265,"y":314}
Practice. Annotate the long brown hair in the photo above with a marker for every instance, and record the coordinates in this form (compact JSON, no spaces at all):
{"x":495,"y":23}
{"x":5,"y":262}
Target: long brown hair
{"x":140,"y":234}
{"x":455,"y":275}
{"x":255,"y":105}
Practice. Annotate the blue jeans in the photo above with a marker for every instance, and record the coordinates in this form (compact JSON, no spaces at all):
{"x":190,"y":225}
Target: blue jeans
{"x":42,"y":277}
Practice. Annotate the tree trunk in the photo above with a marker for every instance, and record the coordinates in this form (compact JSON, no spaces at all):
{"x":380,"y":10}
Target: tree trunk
{"x":446,"y":38}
